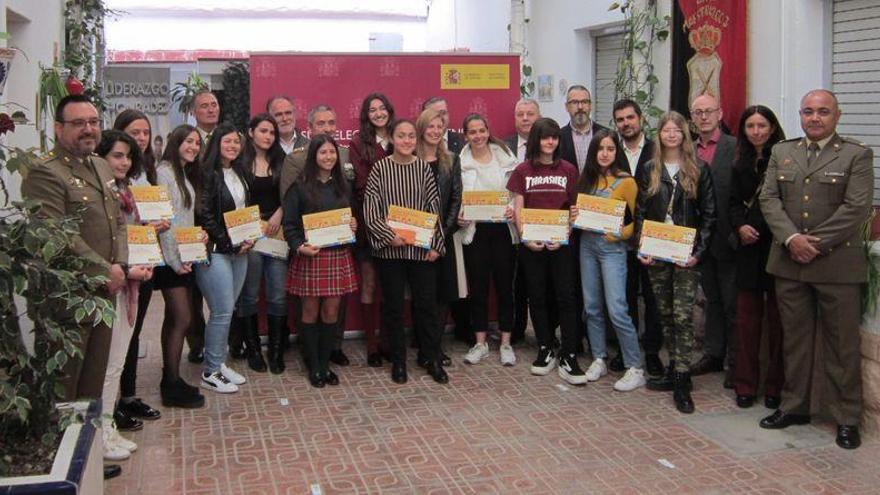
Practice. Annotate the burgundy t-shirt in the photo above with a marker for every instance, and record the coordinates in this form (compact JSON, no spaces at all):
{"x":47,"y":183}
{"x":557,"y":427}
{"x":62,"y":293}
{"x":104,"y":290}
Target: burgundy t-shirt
{"x":551,"y":187}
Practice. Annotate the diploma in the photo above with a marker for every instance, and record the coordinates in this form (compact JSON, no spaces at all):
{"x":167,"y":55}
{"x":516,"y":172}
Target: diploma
{"x":143,"y":246}
{"x":544,"y":225}
{"x":190,"y":245}
{"x":602,"y":215}
{"x":415,"y":227}
{"x":667,"y":242}
{"x":243,"y":224}
{"x":153,"y":203}
{"x":274,"y":245}
{"x":485,"y":206}
{"x":328,"y":228}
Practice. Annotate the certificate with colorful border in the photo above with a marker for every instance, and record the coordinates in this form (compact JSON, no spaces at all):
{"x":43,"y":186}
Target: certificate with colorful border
{"x":415,"y":227}
{"x":153,"y":203}
{"x":143,"y":246}
{"x":544,"y":225}
{"x":601,"y":215}
{"x":190,"y":245}
{"x":274,"y":245}
{"x":328,"y":228}
{"x":666,"y":241}
{"x":243,"y":224}
{"x":485,"y":206}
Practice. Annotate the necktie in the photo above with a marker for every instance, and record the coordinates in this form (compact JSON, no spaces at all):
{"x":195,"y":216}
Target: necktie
{"x":812,"y":153}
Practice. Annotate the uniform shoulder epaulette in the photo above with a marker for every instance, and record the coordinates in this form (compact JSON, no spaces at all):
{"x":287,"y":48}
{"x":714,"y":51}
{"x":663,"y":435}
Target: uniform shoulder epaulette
{"x":299,"y":150}
{"x":791,"y":140}
{"x":853,"y":141}
{"x":48,"y":157}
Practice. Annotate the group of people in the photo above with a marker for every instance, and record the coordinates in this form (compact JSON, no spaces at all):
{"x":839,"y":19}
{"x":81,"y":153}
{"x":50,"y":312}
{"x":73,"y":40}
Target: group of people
{"x":778,"y":223}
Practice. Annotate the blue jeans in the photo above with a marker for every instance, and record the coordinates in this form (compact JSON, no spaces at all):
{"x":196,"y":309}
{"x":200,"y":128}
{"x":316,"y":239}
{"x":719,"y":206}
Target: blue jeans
{"x":221,"y":283}
{"x":274,"y":271}
{"x":603,"y":283}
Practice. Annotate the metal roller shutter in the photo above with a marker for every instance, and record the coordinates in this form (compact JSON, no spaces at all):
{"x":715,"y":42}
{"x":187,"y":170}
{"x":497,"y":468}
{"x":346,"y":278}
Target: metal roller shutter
{"x":608,"y":50}
{"x":855,"y":71}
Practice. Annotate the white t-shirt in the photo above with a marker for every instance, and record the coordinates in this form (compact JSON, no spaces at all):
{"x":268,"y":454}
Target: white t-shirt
{"x":235,"y":186}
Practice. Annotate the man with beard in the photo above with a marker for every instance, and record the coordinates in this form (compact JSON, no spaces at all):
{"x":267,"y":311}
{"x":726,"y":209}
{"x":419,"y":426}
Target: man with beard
{"x":281,"y":109}
{"x":576,"y":135}
{"x":71,"y":180}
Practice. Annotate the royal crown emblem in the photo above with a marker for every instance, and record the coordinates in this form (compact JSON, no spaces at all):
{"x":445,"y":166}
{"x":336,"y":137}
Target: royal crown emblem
{"x":705,"y":39}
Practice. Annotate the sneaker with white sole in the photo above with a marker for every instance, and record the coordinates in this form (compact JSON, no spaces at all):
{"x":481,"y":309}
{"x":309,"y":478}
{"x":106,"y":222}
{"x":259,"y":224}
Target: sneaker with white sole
{"x":120,"y":441}
{"x":218,"y":383}
{"x":570,"y":370}
{"x":113,"y":452}
{"x":631,"y":380}
{"x":545,"y":362}
{"x":476,"y":353}
{"x":596,"y":370}
{"x":232,"y":375}
{"x":508,"y":357}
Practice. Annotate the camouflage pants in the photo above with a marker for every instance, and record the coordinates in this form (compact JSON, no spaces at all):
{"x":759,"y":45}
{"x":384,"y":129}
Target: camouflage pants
{"x":675,"y":289}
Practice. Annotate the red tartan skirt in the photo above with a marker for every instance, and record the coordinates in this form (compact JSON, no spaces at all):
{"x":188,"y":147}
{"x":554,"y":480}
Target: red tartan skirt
{"x":329,"y":273}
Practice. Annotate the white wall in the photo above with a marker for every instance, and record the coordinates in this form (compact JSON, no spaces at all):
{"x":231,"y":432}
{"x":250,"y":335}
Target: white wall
{"x":476,"y":26}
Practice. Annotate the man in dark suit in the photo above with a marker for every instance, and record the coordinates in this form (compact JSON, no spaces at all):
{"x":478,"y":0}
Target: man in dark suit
{"x":718,"y":267}
{"x":576,"y":135}
{"x":816,"y":196}
{"x":454,"y":140}
{"x":638,"y":150}
{"x":525,"y":113}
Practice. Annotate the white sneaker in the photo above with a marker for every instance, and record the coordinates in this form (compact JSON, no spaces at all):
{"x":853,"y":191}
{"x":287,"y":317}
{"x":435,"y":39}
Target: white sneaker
{"x":218,"y":383}
{"x":632,"y":379}
{"x":476,"y":353}
{"x":113,"y":452}
{"x":508,"y":358}
{"x":120,"y":441}
{"x":232,"y":375}
{"x":596,"y":370}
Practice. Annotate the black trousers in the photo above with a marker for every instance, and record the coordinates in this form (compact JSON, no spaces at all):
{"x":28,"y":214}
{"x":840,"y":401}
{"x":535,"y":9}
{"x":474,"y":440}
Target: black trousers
{"x":521,"y":300}
{"x":491,"y":256}
{"x":422,"y":278}
{"x":552,"y":270}
{"x":128,"y":378}
{"x":637,"y":280}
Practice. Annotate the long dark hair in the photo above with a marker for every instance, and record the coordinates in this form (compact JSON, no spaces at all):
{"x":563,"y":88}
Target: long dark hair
{"x":471,"y":117}
{"x":147,"y":161}
{"x":311,"y":170}
{"x":367,"y":133}
{"x":746,"y":154}
{"x":213,"y":161}
{"x":182,"y":172}
{"x":543,"y":127}
{"x":274,"y":155}
{"x":109,"y":138}
{"x":589,"y":178}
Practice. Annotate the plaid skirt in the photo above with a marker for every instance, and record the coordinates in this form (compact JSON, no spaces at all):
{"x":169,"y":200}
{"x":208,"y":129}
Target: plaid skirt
{"x":330,"y":273}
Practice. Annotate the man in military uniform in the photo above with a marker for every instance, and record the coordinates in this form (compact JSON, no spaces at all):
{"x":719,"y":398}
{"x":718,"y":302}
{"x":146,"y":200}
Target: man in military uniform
{"x":322,"y":120}
{"x":816,"y":197}
{"x":69,"y":178}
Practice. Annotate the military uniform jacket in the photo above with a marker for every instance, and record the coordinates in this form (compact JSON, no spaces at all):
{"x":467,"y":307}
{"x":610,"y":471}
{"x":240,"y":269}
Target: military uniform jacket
{"x":63,"y":184}
{"x":831,"y":199}
{"x":295,"y":162}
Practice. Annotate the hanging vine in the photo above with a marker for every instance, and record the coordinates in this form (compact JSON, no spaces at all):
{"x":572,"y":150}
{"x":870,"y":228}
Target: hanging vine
{"x":84,"y":48}
{"x":635,"y":69}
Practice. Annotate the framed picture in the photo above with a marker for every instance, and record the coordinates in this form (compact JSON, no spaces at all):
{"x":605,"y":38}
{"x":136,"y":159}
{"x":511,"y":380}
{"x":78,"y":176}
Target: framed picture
{"x":545,"y":87}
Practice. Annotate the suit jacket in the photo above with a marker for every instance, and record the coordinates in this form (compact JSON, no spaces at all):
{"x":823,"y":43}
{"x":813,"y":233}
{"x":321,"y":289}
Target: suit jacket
{"x":512,"y":142}
{"x":830,"y":200}
{"x":722,"y":169}
{"x":294,"y":163}
{"x":566,"y":144}
{"x":300,"y":141}
{"x":454,"y":142}
{"x":646,"y":156}
{"x":63,"y":184}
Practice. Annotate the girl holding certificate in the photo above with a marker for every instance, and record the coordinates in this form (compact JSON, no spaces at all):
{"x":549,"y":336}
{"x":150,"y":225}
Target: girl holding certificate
{"x":319,"y":276}
{"x":224,"y":189}
{"x":121,"y":152}
{"x":366,"y":149}
{"x":262,"y":158}
{"x":404,"y":180}
{"x":603,"y":261}
{"x":179,"y":172}
{"x":489,"y":247}
{"x":677,"y":190}
{"x":546,"y":181}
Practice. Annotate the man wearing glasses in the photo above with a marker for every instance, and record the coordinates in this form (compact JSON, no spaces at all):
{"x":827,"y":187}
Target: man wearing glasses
{"x":576,"y":135}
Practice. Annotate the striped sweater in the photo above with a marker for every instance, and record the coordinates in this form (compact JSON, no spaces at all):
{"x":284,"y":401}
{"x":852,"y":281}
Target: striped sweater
{"x":410,"y":186}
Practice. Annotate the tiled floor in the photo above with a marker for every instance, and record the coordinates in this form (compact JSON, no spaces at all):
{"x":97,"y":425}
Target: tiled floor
{"x":491,"y":430}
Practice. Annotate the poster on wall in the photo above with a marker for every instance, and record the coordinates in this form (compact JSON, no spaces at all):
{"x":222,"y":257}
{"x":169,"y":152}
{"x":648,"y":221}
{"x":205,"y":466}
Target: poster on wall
{"x":484,"y":84}
{"x":143,"y":88}
{"x":709,"y":55}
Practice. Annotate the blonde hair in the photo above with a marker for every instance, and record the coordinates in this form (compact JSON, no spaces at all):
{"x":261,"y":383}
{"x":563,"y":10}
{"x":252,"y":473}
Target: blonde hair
{"x":422,"y":123}
{"x":688,"y":172}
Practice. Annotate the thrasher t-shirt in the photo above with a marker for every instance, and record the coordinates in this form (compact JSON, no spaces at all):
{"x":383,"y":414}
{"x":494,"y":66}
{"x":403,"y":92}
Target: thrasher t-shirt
{"x":550,"y":187}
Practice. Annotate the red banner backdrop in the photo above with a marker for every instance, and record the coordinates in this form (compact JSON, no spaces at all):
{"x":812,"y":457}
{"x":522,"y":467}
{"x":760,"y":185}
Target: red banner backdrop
{"x":717,"y":49}
{"x":485,"y":84}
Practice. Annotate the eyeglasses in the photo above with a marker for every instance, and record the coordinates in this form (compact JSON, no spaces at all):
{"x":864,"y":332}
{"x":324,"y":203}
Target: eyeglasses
{"x":822,"y":112}
{"x":578,"y":102}
{"x":703,"y":113}
{"x":81,"y":123}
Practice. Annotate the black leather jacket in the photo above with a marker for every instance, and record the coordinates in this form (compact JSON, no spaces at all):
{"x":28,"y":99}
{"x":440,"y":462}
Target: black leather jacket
{"x":698,"y":213}
{"x":215,"y":200}
{"x":449,"y":186}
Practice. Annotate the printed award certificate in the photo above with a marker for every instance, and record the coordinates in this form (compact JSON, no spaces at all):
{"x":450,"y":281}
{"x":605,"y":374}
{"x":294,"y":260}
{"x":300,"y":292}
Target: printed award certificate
{"x":143,"y":246}
{"x":274,"y":246}
{"x":544,"y":225}
{"x":415,"y":227}
{"x":667,"y":242}
{"x":602,"y":215}
{"x":484,"y":206}
{"x":243,"y":224}
{"x":153,"y":203}
{"x":190,"y":245}
{"x":329,"y":228}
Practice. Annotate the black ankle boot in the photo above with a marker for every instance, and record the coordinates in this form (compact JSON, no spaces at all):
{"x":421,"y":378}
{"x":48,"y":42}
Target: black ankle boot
{"x":662,"y":383}
{"x":236,"y":338}
{"x":252,"y":342}
{"x":435,"y":369}
{"x":275,"y":353}
{"x":681,"y":393}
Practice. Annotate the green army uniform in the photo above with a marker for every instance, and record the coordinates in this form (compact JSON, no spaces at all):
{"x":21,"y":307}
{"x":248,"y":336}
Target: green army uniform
{"x":64,"y":184}
{"x":826,"y":194}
